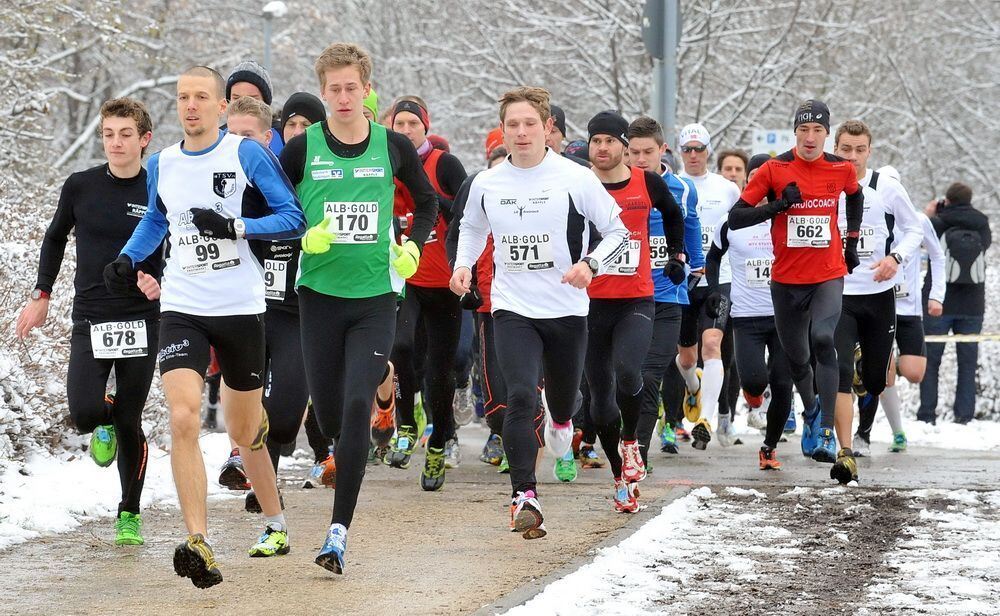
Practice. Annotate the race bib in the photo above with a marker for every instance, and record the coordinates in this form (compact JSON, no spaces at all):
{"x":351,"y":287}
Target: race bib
{"x":707,"y":233}
{"x":526,"y":253}
{"x":759,"y":272}
{"x":866,"y":242}
{"x":275,"y":278}
{"x":808,"y":232}
{"x":119,"y":340}
{"x":627,"y":263}
{"x":199,"y":254}
{"x":902,"y":290}
{"x":658,"y":253}
{"x":352,"y":222}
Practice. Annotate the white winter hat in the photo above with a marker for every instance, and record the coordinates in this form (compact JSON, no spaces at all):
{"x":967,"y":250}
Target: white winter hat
{"x":695,"y":132}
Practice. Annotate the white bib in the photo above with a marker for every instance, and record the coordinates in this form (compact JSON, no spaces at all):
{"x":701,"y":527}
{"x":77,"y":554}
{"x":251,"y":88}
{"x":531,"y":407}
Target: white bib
{"x":658,"y":252}
{"x":526,"y":253}
{"x":808,"y":232}
{"x":199,"y":254}
{"x":627,"y":263}
{"x":275,"y":278}
{"x":119,"y":339}
{"x":758,"y":272}
{"x":352,"y":222}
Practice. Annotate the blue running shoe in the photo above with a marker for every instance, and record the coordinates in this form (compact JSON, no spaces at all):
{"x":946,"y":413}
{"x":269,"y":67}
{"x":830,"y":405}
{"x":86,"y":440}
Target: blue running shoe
{"x":810,"y":429}
{"x":331,"y":557}
{"x":790,"y":422}
{"x":826,"y":448}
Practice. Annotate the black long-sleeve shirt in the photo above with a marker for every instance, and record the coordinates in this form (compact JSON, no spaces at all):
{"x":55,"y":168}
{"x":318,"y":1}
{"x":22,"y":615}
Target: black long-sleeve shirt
{"x":103,"y":211}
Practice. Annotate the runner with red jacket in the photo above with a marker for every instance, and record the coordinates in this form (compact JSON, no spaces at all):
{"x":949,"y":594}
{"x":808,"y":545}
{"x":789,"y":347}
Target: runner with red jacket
{"x":803,"y":188}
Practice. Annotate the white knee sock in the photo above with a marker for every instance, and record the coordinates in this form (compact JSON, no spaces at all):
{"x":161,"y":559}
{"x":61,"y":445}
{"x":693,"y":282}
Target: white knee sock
{"x":688,"y":374}
{"x":712,"y":378}
{"x":891,"y":404}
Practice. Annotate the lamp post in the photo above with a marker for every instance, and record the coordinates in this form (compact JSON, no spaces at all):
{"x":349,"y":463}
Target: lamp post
{"x":271,"y":11}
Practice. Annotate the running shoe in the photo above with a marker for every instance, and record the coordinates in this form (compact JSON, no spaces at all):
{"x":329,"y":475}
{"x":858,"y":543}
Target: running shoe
{"x":425,"y":437}
{"x":768,"y":459}
{"x":331,"y":555}
{"x":463,"y":405}
{"x":668,"y":440}
{"x":790,"y":422}
{"x":432,"y":477}
{"x":103,"y":445}
{"x":400,"y":452}
{"x":754,"y":402}
{"x":810,"y":429}
{"x":379,"y":454}
{"x":898,"y":442}
{"x":681,"y":434}
{"x":845,"y":469}
{"x":452,"y":453}
{"x":504,"y":466}
{"x":492,"y":450}
{"x":633,"y":468}
{"x":526,"y":514}
{"x":252,"y":505}
{"x":128,"y":529}
{"x":577,"y":441}
{"x":272,"y":542}
{"x":565,"y":468}
{"x":862,"y":446}
{"x":692,"y":401}
{"x":857,"y":384}
{"x":757,"y":418}
{"x":212,"y":416}
{"x":194,"y":559}
{"x":383,"y":422}
{"x":702,"y":434}
{"x":589,"y":457}
{"x":826,"y":448}
{"x":625,"y":497}
{"x":725,"y":432}
{"x":326,"y":471}
{"x":232,"y":475}
{"x":558,"y":439}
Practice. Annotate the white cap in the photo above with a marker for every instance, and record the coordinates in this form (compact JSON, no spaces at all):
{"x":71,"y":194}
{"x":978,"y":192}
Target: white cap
{"x":695,"y":132}
{"x":890,"y":171}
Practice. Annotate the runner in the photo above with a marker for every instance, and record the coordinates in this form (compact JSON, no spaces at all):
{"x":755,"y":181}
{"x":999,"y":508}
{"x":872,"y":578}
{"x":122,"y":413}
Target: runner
{"x":646,"y":149}
{"x":890,"y":232}
{"x":706,"y":317}
{"x":542,"y":269}
{"x":211,"y":192}
{"x":751,"y":256}
{"x":250,"y":79}
{"x":427,"y":299}
{"x":351,"y":270}
{"x":620,"y":322}
{"x":112,"y":328}
{"x":810,"y":262}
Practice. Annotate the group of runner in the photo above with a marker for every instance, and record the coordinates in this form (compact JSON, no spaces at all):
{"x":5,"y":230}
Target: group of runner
{"x":325,"y":264}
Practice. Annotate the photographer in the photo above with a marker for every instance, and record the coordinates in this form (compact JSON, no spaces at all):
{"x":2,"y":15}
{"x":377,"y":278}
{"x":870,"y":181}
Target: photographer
{"x":965,"y":236}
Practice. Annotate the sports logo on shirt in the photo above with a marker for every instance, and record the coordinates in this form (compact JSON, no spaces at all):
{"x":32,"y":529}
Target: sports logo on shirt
{"x":224,"y":183}
{"x":831,"y":187}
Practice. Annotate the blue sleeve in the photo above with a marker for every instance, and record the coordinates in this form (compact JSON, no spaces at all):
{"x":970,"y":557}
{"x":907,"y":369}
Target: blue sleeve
{"x":151,"y":230}
{"x":263,"y":170}
{"x":692,"y":225}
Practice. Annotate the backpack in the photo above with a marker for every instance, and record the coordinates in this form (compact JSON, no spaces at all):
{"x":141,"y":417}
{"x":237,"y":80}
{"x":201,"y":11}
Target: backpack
{"x":965,"y":257}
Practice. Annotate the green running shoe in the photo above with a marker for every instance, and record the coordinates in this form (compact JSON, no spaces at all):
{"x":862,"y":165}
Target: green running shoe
{"x":432,"y":477}
{"x":270,"y":543}
{"x":565,"y":468}
{"x":400,"y":452}
{"x":504,"y":466}
{"x":898,"y":442}
{"x":419,"y":415}
{"x":128,"y":529}
{"x":103,"y":445}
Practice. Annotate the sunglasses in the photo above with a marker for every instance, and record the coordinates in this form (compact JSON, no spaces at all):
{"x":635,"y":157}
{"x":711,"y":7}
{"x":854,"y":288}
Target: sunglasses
{"x":693,"y":148}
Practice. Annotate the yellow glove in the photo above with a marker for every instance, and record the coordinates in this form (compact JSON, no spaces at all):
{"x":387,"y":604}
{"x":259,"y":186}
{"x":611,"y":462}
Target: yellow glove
{"x":405,"y":258}
{"x":317,"y":240}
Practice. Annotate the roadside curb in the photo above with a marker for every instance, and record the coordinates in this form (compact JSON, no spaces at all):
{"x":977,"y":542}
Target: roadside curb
{"x":528,"y":590}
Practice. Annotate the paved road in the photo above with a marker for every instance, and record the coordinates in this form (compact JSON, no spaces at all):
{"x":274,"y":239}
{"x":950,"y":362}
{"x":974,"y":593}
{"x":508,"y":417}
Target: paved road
{"x":412,"y":552}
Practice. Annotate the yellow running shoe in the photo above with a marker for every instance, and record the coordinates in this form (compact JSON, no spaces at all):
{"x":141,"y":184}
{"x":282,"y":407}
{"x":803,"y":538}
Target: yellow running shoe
{"x":692,"y":401}
{"x":845,"y":469}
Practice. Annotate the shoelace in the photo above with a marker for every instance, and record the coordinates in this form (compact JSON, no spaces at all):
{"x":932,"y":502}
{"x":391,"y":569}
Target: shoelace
{"x":435,"y":463}
{"x":130,"y":524}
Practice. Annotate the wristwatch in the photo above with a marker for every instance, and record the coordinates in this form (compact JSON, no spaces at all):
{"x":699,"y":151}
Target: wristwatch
{"x":39,"y":294}
{"x":898,"y":257}
{"x":591,"y":263}
{"x":239,"y":227}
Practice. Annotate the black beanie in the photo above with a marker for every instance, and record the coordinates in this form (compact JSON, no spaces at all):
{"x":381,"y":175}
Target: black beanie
{"x":757,"y":161}
{"x":813,"y":111}
{"x":608,"y":123}
{"x":559,"y":118}
{"x":303,"y":104}
{"x":250,"y":71}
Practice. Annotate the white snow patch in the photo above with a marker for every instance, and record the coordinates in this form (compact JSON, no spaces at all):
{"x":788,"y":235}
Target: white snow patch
{"x":745,"y":492}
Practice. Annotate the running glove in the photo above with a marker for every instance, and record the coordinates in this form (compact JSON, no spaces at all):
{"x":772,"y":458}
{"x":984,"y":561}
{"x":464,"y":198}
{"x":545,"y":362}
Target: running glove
{"x":713,"y":304}
{"x":120,"y":277}
{"x":674,"y":270}
{"x":851,"y":254}
{"x":472,"y":300}
{"x":212,"y":224}
{"x":405,"y":258}
{"x":317,"y":240}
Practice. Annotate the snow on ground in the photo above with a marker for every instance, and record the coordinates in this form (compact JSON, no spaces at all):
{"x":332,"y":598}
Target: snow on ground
{"x":54,"y":494}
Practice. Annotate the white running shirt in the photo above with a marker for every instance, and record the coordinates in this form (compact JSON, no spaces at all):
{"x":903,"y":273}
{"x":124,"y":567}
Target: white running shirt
{"x":909,"y":280}
{"x":750,"y":255}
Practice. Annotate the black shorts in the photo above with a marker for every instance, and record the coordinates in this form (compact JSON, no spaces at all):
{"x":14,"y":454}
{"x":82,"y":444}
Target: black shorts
{"x":910,"y":336}
{"x":694,"y":320}
{"x":238,"y":340}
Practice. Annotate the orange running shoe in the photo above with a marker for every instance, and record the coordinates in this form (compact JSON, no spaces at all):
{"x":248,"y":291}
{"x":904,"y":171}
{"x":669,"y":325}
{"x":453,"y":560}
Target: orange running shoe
{"x":383,"y":422}
{"x":327,"y":471}
{"x":769,"y":459}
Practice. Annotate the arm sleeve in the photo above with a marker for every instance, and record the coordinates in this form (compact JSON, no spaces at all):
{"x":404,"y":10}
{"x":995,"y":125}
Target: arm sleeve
{"x":673,"y":217}
{"x":854,"y":207}
{"x":264,"y":171}
{"x":151,"y":230}
{"x":411,"y":173}
{"x":293,"y":159}
{"x":987,"y":233}
{"x":600,"y":208}
{"x":474,"y":229}
{"x":450,"y":174}
{"x":935,"y":254}
{"x":457,"y":212}
{"x":906,"y":220}
{"x":54,"y":243}
{"x":713,"y":262}
{"x":745,"y":212}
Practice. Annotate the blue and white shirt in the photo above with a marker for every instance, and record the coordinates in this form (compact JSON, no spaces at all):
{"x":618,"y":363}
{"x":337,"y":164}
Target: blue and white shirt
{"x":686,"y":196}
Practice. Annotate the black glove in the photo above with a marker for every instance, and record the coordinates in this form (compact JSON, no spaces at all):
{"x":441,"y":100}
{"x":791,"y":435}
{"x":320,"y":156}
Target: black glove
{"x":712,"y":304}
{"x":120,"y":277}
{"x":674,"y":270}
{"x":472,"y":300}
{"x":693,"y":279}
{"x":851,"y":254}
{"x":790,"y":195}
{"x":212,"y":224}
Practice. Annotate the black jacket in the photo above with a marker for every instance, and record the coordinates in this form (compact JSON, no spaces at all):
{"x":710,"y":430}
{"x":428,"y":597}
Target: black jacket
{"x":965,"y":299}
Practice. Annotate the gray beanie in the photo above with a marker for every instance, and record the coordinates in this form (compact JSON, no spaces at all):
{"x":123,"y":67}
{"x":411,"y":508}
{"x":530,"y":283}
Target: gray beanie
{"x":250,"y":72}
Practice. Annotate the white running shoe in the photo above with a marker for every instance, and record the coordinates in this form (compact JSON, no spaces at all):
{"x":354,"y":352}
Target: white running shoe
{"x":452,"y":453}
{"x":463,"y":405}
{"x":725,"y":433}
{"x":558,"y":440}
{"x":633,"y":468}
{"x":757,"y":418}
{"x":862,"y":447}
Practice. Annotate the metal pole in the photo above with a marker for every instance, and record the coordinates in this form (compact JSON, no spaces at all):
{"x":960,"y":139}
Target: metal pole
{"x":667,"y":75}
{"x":267,"y":41}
